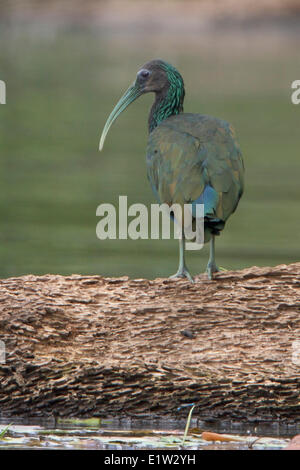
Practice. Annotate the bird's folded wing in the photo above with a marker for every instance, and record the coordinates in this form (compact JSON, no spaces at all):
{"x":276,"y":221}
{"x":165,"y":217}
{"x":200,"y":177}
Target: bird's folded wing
{"x":196,"y":159}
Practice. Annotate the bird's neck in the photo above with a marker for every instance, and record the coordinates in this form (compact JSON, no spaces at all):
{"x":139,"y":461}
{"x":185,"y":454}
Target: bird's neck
{"x":168,"y":102}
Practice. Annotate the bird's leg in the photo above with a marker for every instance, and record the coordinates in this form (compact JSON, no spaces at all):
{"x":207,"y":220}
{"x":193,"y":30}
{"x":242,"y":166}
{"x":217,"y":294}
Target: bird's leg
{"x":182,"y":269}
{"x":211,"y":265}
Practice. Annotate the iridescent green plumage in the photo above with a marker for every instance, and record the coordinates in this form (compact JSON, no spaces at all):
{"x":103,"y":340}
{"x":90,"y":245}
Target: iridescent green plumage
{"x":191,"y":158}
{"x":191,"y":152}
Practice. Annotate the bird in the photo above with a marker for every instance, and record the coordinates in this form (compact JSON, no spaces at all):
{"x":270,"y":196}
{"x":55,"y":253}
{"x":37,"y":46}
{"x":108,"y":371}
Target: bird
{"x":191,"y":158}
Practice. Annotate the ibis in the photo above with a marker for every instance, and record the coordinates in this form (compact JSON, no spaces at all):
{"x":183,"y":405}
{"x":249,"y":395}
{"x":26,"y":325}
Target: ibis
{"x":191,"y":158}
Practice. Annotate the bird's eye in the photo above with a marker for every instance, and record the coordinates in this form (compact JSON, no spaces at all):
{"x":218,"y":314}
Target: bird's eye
{"x":144,"y":73}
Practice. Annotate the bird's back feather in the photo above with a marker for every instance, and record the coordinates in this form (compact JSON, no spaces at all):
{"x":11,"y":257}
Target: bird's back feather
{"x":193,"y":158}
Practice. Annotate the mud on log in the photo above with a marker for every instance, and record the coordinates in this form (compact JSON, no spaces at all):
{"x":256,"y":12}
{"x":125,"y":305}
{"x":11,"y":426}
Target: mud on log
{"x":89,"y":345}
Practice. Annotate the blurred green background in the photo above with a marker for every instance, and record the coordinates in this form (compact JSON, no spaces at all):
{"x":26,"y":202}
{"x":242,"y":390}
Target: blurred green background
{"x":65,"y":73}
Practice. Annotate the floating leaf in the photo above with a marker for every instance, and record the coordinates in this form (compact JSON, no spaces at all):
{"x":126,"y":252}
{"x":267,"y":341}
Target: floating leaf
{"x":92,"y":422}
{"x":213,"y":436}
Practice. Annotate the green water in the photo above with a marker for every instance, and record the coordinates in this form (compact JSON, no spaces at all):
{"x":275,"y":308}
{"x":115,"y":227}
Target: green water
{"x":60,"y":90}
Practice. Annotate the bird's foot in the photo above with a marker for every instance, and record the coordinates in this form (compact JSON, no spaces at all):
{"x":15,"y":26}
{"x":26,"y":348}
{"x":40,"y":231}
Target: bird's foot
{"x":211,"y":269}
{"x":182,"y":273}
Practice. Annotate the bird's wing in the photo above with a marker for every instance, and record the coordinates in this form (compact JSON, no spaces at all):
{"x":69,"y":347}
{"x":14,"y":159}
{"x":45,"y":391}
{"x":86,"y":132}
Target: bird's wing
{"x":196,"y":159}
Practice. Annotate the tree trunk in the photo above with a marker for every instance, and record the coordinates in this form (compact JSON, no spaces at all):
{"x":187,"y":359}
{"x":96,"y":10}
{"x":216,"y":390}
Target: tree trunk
{"x":95,"y":346}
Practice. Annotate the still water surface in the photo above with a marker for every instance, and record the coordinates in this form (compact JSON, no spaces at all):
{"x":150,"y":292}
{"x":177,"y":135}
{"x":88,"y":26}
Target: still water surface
{"x":60,"y":90}
{"x":140,"y":434}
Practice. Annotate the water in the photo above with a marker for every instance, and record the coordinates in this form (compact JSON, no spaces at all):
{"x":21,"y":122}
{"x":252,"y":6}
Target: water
{"x":116,"y":433}
{"x":61,"y":88}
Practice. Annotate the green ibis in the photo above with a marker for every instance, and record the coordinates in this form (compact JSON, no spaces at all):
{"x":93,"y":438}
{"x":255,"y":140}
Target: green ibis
{"x":191,"y":158}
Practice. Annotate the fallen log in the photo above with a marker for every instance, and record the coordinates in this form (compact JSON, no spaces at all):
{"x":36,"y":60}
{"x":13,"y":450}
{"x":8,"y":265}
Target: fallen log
{"x":94,"y":346}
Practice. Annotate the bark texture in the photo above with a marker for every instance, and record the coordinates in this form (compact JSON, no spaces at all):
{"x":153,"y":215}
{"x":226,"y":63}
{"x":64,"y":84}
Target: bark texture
{"x":95,"y":346}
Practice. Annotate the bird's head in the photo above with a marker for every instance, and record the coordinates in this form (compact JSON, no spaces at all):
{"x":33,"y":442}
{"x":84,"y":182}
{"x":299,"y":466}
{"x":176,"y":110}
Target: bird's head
{"x":155,"y":76}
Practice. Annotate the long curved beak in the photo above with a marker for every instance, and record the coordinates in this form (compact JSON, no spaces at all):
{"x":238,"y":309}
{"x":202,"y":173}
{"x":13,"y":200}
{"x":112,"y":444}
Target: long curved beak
{"x":129,"y":96}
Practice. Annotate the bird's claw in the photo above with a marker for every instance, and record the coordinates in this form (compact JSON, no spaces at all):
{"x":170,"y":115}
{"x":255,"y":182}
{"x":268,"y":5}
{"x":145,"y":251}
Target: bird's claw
{"x":211,"y":269}
{"x":182,"y":273}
